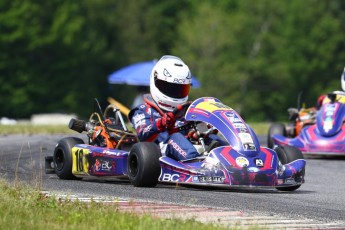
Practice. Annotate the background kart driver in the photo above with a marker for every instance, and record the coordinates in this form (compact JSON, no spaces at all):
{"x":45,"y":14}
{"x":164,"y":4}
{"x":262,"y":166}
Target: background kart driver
{"x":170,"y":82}
{"x":339,"y":95}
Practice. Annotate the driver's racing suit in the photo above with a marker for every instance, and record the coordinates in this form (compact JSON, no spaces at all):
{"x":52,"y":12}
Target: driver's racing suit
{"x":174,"y":145}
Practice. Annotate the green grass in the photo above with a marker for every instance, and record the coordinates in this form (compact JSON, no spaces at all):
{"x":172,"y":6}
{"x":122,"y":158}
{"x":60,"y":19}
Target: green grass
{"x":22,"y":207}
{"x":34,"y":129}
{"x":260,"y":128}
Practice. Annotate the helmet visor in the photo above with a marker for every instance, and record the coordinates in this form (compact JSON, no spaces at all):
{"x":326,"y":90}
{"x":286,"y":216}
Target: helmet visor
{"x":172,"y":89}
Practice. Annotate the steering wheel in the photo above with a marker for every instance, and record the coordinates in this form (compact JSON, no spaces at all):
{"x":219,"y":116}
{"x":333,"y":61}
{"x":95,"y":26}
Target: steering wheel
{"x":181,"y":110}
{"x":178,"y":113}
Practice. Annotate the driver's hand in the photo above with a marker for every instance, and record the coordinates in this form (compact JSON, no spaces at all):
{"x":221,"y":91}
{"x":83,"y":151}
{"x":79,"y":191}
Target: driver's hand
{"x":167,"y":121}
{"x":181,"y":109}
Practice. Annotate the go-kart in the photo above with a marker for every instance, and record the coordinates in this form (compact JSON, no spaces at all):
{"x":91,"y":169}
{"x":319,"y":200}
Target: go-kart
{"x":298,"y":119}
{"x":241,"y":163}
{"x":323,"y":133}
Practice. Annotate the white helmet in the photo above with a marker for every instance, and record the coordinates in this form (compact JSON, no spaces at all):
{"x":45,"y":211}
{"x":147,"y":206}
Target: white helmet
{"x":170,"y":82}
{"x":343,"y":80}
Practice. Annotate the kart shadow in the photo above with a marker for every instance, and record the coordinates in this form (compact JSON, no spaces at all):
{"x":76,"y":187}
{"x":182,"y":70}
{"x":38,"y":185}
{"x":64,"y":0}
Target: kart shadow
{"x":323,"y":157}
{"x":201,"y":188}
{"x":224,"y":189}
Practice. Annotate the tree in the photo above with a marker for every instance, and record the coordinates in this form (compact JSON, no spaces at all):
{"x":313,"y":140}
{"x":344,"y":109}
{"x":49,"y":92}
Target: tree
{"x":257,"y":56}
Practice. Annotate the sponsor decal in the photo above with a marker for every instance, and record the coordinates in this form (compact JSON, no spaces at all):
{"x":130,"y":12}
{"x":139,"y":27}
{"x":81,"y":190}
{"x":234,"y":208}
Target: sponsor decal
{"x":175,"y":177}
{"x":289,"y":181}
{"x":166,"y":73}
{"x":329,"y":113}
{"x":171,"y":177}
{"x":243,"y":130}
{"x":233,"y":118}
{"x":189,"y":76}
{"x":180,"y":81}
{"x":106,"y":153}
{"x":259,"y":162}
{"x":328,"y":124}
{"x":245,"y":138}
{"x":212,"y":106}
{"x":330,"y":108}
{"x":139,"y":123}
{"x":240,"y":126}
{"x":242,"y":161}
{"x":102,"y":165}
{"x":147,"y":129}
{"x":253,"y":169}
{"x":211,"y":179}
{"x":249,"y":147}
{"x":177,"y":148}
{"x":138,"y":117}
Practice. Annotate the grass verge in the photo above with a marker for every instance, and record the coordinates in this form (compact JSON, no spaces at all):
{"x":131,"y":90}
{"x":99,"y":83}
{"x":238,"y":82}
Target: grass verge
{"x":22,"y":207}
{"x":34,"y":129}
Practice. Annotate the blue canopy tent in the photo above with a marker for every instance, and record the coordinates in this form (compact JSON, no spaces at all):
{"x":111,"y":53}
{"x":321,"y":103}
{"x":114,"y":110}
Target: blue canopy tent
{"x":138,"y":74}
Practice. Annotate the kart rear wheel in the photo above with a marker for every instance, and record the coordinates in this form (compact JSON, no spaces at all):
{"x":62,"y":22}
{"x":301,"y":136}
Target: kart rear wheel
{"x":62,"y":157}
{"x":276,"y":128}
{"x":143,"y":164}
{"x":287,"y":154}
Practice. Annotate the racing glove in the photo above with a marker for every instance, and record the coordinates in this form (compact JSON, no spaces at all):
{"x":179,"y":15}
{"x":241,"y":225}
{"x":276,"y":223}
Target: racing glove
{"x":167,"y":121}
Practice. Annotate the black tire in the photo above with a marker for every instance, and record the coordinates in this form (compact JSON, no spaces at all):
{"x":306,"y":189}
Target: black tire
{"x":287,"y":154}
{"x":143,"y":164}
{"x":63,"y":157}
{"x":276,"y":128}
{"x":291,"y":130}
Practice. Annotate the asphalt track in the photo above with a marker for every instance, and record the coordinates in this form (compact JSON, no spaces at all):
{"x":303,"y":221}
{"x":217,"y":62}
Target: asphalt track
{"x":317,"y":204}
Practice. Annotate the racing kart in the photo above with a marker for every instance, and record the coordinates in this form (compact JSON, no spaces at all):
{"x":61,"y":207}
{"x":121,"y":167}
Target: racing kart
{"x":241,"y":163}
{"x":322,"y":133}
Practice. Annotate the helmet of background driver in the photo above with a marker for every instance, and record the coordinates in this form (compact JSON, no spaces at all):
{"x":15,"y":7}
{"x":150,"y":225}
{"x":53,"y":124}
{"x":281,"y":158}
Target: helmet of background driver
{"x":170,"y":82}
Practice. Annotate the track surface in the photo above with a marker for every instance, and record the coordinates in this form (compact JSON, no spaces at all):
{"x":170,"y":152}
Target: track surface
{"x":319,"y":203}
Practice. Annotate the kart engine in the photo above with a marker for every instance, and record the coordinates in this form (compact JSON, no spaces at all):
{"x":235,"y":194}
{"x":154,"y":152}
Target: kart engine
{"x":110,"y":132}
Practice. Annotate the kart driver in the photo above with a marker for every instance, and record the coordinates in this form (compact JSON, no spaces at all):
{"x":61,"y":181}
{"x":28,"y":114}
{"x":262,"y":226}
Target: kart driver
{"x":340,"y":95}
{"x":170,"y":83}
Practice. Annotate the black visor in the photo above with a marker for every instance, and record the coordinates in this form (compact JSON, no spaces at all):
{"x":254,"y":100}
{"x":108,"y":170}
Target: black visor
{"x":172,"y":89}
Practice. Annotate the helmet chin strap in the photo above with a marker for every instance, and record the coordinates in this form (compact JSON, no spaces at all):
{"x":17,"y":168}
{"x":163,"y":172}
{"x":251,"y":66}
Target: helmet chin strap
{"x":149,"y":100}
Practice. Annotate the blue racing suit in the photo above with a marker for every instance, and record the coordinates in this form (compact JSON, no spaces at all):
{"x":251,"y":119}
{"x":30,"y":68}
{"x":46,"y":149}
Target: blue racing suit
{"x":174,"y":145}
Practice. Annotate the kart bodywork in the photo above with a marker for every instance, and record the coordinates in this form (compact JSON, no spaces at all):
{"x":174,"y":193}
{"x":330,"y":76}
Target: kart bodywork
{"x":241,"y":163}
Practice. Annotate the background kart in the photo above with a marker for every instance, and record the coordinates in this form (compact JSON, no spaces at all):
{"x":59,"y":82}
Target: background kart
{"x":241,"y":163}
{"x":322,"y":134}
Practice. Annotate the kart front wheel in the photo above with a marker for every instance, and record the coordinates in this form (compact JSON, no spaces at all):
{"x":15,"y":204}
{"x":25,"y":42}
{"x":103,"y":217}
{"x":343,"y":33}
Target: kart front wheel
{"x":143,"y":164}
{"x":62,"y":157}
{"x":287,"y":154}
{"x":276,"y":128}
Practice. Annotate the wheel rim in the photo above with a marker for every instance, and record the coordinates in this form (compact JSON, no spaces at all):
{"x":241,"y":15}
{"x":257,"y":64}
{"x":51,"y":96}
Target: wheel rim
{"x":59,"y":160}
{"x":133,"y":165}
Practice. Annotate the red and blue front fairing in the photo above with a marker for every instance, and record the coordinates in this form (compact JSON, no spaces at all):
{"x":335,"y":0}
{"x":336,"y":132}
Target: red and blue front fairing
{"x":326,"y":137}
{"x":88,"y":160}
{"x":242,"y":163}
{"x":228,"y":122}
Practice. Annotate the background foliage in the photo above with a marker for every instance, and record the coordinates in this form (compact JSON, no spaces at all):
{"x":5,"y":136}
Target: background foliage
{"x":256,"y":56}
